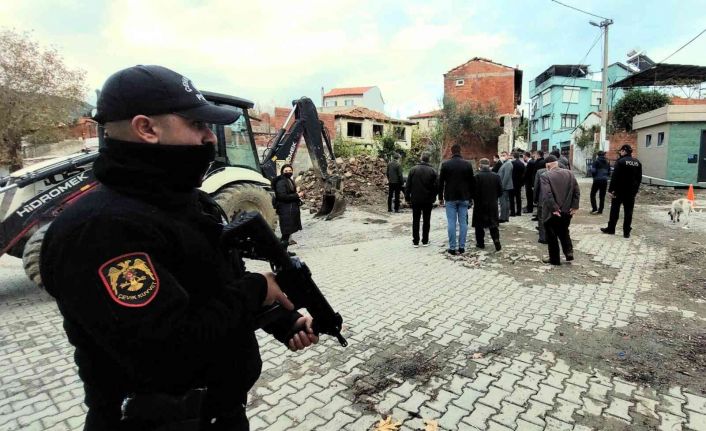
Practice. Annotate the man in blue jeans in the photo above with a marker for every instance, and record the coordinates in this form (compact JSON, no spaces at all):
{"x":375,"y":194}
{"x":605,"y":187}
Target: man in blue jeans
{"x":456,"y":185}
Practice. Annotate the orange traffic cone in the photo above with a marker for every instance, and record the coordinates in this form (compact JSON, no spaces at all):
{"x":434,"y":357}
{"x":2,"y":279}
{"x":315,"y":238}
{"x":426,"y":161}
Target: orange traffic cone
{"x":690,"y":195}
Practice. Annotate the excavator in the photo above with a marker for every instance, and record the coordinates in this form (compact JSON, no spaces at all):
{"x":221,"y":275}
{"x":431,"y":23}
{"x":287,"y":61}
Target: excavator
{"x":32,"y":197}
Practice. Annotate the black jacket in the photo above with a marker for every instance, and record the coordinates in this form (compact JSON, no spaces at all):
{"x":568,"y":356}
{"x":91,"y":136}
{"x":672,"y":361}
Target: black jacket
{"x":394,"y":172}
{"x":518,"y":174}
{"x":150,"y":300}
{"x":627,"y":176}
{"x":530,"y":170}
{"x":287,"y":205}
{"x":600,"y":169}
{"x":497,"y":166}
{"x":456,"y":182}
{"x":421,"y":185}
{"x":485,"y":199}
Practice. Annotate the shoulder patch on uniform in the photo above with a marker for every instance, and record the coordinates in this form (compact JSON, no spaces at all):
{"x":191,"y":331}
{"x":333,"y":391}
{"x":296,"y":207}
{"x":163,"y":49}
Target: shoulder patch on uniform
{"x":131,"y":279}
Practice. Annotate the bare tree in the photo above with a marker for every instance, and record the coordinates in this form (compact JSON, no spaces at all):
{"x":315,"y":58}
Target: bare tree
{"x":37,"y":90}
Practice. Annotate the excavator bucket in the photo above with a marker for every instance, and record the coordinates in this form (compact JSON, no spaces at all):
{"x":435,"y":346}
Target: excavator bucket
{"x":333,"y":203}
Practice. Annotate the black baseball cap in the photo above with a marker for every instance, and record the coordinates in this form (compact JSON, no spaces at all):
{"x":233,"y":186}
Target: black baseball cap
{"x":154,"y":90}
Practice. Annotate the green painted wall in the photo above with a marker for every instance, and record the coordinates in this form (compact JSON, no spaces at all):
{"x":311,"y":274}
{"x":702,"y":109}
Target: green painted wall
{"x":684,"y":140}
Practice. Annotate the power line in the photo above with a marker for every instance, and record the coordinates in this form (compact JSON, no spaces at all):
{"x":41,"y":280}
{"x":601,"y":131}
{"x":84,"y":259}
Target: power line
{"x":577,"y":9}
{"x":568,"y":105}
{"x":683,"y":46}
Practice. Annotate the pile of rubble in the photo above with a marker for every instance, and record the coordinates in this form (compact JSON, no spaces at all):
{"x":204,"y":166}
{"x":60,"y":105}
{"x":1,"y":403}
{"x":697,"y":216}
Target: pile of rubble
{"x":364,"y":182}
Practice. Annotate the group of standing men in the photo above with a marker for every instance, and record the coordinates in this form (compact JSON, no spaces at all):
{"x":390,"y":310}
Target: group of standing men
{"x":549,"y":185}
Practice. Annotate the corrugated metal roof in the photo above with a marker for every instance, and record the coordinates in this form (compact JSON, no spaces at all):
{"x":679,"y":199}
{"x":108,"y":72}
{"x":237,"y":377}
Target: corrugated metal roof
{"x":664,"y":75}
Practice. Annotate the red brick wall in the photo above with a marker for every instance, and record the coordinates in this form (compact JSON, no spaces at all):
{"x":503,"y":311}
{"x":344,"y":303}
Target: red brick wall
{"x":484,"y":83}
{"x":472,"y":149}
{"x":328,"y":119}
{"x":617,"y":140}
{"x":683,"y":101}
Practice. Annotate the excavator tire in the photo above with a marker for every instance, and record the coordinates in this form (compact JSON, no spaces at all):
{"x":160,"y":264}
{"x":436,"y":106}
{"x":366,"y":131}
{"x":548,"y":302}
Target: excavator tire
{"x":30,"y":255}
{"x":237,"y":198}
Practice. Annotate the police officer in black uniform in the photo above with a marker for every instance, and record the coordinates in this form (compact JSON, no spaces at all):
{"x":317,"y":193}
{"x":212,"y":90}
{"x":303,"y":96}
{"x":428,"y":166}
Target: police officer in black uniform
{"x":161,"y":318}
{"x":624,"y":185}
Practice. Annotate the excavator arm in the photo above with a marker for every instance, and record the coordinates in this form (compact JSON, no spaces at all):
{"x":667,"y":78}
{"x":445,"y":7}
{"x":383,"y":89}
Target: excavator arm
{"x":284,"y":147}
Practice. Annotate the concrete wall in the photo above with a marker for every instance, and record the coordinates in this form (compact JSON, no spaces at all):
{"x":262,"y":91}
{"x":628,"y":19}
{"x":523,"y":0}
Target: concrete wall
{"x":684,"y":140}
{"x":426,"y":124}
{"x":579,"y":156}
{"x":654,"y":158}
{"x":484,"y":82}
{"x":372,"y":99}
{"x":367,"y":137}
{"x":340,"y":102}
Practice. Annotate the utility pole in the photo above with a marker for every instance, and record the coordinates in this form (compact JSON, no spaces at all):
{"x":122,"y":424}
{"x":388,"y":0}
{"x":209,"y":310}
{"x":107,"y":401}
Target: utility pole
{"x":604,"y":90}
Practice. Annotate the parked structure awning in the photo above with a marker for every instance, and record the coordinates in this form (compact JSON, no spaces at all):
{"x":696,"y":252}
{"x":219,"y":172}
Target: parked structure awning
{"x":662,"y":75}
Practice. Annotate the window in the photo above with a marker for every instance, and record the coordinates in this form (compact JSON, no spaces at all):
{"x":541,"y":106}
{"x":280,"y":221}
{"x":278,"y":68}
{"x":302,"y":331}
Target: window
{"x":660,"y":138}
{"x":568,"y":121}
{"x":547,"y":97}
{"x":596,"y":97}
{"x":355,"y":130}
{"x":377,"y":130}
{"x":348,"y":102}
{"x":331,"y":103}
{"x":399,"y":133}
{"x":545,"y":122}
{"x":534,"y":145}
{"x":460,"y":82}
{"x":237,"y":137}
{"x":534,"y":105}
{"x":534,"y":126}
{"x":648,"y":140}
{"x":571,"y":94}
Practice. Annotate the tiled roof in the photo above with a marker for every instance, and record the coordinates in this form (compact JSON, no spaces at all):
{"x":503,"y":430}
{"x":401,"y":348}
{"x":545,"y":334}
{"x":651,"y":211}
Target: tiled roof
{"x":431,"y":114}
{"x":479,"y":59}
{"x":363,"y":113}
{"x":351,"y":91}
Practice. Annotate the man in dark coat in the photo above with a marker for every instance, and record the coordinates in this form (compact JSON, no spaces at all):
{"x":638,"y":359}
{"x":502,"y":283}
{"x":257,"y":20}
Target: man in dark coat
{"x":518,"y":176}
{"x":421,"y":193}
{"x":624,"y":185}
{"x":288,"y":201}
{"x":161,"y":315}
{"x":505,"y":173}
{"x":394,"y":181}
{"x":539,"y":164}
{"x":560,"y":201}
{"x":456,"y":186}
{"x":497,"y":163}
{"x":488,"y":190}
{"x":600,"y":171}
{"x":530,"y":169}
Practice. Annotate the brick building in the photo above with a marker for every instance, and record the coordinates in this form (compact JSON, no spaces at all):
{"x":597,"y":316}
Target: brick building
{"x":480,"y":80}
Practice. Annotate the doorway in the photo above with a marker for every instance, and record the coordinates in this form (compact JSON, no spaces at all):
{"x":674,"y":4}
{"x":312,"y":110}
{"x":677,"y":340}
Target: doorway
{"x":701,"y":177}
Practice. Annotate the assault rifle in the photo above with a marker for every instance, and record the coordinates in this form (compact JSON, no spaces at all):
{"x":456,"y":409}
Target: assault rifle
{"x":250,"y":234}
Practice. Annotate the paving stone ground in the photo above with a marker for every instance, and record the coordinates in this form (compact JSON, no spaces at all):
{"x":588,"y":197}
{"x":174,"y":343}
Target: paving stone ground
{"x":416,"y":322}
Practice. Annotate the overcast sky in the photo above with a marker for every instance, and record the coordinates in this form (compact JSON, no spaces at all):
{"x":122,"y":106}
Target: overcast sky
{"x":274,"y":51}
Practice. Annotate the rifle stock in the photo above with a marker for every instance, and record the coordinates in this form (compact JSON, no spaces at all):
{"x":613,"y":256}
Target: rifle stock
{"x":250,"y":234}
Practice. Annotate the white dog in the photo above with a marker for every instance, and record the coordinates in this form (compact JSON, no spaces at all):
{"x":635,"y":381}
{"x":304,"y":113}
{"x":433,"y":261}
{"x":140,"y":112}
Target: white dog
{"x":679,"y":207}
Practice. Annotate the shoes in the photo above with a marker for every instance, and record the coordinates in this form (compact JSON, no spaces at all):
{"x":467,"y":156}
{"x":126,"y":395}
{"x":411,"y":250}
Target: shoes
{"x":626,"y":234}
{"x":542,"y":241}
{"x":534,"y":218}
{"x":451,"y":252}
{"x":292,"y":242}
{"x":503,"y":221}
{"x":497,"y":245}
{"x":594,"y":211}
{"x":291,"y":253}
{"x":569,"y":257}
{"x":599,"y":212}
{"x":528,"y":211}
{"x":512,"y":214}
{"x":425,"y":244}
{"x":608,"y":231}
{"x":461,"y":250}
{"x":536,"y":227}
{"x":549,"y":261}
{"x":480,"y":245}
{"x":415,"y":245}
{"x":389,"y":210}
{"x":397,"y":211}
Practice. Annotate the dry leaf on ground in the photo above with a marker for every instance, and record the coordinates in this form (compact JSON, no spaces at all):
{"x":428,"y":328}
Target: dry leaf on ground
{"x":431,"y":425}
{"x":388,"y":424}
